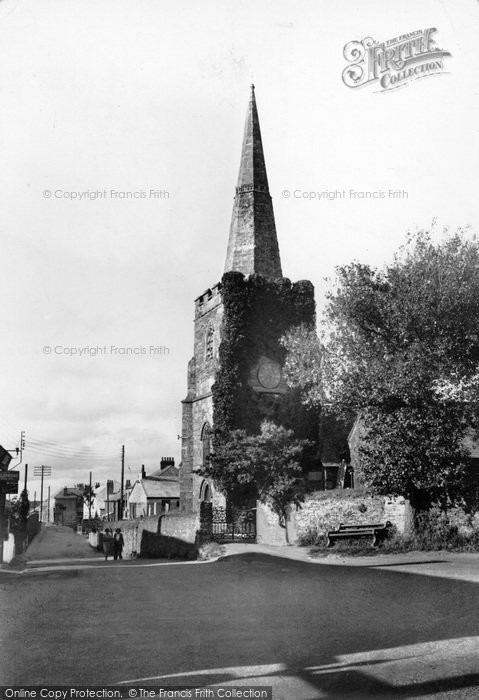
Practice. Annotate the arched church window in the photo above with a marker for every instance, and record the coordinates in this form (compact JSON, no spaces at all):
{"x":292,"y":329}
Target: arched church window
{"x":205,"y":492}
{"x":209,"y":350}
{"x":206,"y":442}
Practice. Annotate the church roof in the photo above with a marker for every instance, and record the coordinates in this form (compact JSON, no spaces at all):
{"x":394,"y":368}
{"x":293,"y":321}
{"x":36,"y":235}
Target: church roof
{"x":253,"y":244}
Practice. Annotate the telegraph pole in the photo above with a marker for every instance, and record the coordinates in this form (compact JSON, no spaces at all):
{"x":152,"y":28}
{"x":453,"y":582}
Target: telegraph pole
{"x":120,"y":514}
{"x":41,"y":497}
{"x":42,"y":471}
{"x":26,"y":478}
{"x":48,"y":505}
{"x":89,"y":500}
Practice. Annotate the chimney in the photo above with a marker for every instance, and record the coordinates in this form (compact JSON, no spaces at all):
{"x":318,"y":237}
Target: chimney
{"x":127,"y":484}
{"x":167,"y":462}
{"x":143,"y":472}
{"x":65,"y":491}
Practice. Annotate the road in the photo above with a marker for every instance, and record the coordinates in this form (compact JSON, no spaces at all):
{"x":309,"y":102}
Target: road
{"x":309,"y":630}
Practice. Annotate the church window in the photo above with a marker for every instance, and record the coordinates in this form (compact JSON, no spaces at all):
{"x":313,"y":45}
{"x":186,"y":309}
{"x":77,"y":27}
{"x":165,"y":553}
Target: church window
{"x":206,"y":442}
{"x":209,"y":343}
{"x":205,"y":492}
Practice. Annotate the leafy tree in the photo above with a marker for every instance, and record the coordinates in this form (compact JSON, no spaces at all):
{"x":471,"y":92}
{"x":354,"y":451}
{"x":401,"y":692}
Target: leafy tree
{"x":266,"y":466}
{"x":402,"y":352}
{"x":302,"y":366}
{"x":303,"y":370}
{"x":88,"y":495}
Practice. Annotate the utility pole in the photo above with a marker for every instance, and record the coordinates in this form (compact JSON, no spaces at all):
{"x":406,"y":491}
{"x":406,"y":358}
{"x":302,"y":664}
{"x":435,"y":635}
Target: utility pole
{"x":120,"y":514}
{"x":109,"y":490}
{"x":89,"y":500}
{"x":42,"y":471}
{"x":48,"y":505}
{"x":26,"y":478}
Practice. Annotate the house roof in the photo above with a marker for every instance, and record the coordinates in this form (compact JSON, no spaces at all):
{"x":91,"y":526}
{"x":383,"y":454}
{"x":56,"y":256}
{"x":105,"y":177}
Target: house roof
{"x":101,"y":493}
{"x":170,"y":471}
{"x":161,"y":488}
{"x":113,"y":497}
{"x":71,"y":492}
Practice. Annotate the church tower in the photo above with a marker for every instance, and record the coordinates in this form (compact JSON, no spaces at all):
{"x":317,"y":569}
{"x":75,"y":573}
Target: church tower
{"x":235,"y":375}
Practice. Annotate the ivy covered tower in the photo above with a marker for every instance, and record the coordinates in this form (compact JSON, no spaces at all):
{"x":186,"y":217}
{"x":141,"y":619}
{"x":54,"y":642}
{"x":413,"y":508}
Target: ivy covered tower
{"x":235,"y":376}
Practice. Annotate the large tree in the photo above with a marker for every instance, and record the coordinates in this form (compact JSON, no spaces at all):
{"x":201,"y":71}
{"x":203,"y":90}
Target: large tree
{"x":265,"y":466}
{"x":303,"y":371}
{"x":402,"y":352}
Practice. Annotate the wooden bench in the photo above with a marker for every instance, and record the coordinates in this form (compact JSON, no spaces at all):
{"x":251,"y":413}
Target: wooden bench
{"x":375,"y":531}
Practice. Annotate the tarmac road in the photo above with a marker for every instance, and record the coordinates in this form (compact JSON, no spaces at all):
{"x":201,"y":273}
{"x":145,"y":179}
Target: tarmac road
{"x":308,"y":630}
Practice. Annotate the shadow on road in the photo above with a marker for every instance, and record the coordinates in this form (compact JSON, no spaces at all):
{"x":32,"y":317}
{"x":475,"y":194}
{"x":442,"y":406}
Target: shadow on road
{"x":334,"y":631}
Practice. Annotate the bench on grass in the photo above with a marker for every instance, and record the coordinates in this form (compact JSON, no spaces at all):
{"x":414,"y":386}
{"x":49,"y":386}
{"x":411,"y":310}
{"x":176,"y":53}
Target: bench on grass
{"x":374,"y":531}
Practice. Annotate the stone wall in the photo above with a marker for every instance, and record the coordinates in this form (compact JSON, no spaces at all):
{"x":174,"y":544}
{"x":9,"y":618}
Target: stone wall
{"x":198,"y":404}
{"x":170,"y":536}
{"x":326,"y":510}
{"x":132,"y":531}
{"x":181,"y":526}
{"x":398,"y":511}
{"x":268,"y":529}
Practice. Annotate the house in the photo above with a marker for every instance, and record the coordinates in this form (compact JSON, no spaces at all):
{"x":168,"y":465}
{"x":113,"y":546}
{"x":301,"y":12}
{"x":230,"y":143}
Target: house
{"x":68,"y":508}
{"x":106,"y":503}
{"x":155,"y":494}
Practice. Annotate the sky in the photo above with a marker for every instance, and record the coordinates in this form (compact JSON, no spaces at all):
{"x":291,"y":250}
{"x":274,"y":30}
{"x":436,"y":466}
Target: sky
{"x":114,"y":97}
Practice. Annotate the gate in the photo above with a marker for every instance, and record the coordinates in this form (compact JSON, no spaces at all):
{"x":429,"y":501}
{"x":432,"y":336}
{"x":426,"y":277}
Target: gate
{"x":234,"y":525}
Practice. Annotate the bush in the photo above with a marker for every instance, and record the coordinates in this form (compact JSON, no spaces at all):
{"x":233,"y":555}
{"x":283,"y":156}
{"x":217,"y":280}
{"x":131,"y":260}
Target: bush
{"x":434,"y":530}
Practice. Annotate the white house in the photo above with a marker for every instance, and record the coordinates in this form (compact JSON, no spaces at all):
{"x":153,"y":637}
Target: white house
{"x":155,"y":494}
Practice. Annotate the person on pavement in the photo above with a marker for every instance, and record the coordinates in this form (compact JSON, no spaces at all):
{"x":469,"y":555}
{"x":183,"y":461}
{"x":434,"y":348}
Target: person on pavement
{"x":118,"y":543}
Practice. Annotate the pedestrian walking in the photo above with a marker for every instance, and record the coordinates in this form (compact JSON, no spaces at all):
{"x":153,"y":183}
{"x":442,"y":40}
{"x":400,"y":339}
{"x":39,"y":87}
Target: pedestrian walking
{"x":118,"y":543}
{"x":108,"y":543}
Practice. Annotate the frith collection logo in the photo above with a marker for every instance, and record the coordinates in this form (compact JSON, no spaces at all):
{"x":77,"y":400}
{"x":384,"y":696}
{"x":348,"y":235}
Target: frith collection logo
{"x":393,"y":63}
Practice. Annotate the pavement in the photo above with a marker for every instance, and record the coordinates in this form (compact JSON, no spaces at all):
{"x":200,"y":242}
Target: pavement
{"x":59,"y":548}
{"x":57,"y":542}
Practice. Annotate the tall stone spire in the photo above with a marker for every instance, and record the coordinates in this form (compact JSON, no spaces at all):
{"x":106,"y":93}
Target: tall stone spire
{"x":253,"y":245}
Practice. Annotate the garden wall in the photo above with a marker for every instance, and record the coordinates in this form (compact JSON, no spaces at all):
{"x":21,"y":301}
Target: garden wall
{"x":170,"y":536}
{"x":326,"y":510}
{"x":182,"y":526}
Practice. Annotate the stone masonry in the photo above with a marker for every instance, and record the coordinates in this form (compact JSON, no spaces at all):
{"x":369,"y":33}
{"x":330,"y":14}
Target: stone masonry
{"x":252,"y":249}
